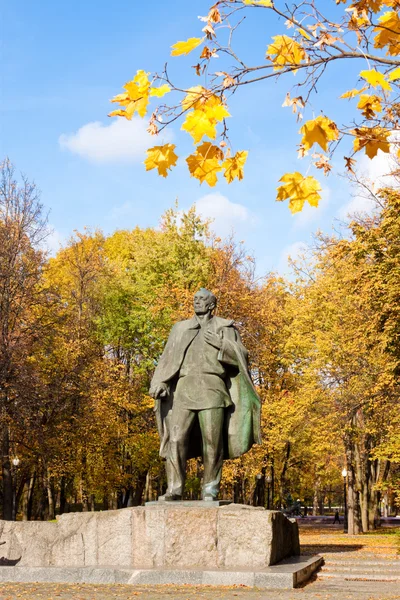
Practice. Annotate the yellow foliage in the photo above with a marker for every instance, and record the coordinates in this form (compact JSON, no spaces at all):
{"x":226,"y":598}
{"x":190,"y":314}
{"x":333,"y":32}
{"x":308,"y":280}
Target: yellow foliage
{"x":194,"y":95}
{"x":319,"y":131}
{"x":185,"y":47}
{"x":205,"y":163}
{"x":204,"y":118}
{"x":287,"y":52}
{"x":298,"y":189}
{"x":375,"y":78}
{"x":136,"y":98}
{"x":352,"y":93}
{"x":394,"y":74}
{"x":266,"y":3}
{"x":372,"y":139}
{"x":234,"y":166}
{"x":161,"y":158}
{"x":369,"y":105}
{"x":160,"y":91}
{"x":388,"y":33}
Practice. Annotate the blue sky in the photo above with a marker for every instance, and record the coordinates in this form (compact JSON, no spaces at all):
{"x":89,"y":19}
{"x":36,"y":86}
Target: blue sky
{"x":62,"y":62}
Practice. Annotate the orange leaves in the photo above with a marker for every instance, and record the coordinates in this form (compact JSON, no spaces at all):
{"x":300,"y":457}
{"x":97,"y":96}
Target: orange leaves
{"x":285,"y":51}
{"x":209,"y":160}
{"x":369,"y":105}
{"x":318,"y":131}
{"x":162,"y":158}
{"x":234,"y":166}
{"x":205,"y":163}
{"x":388,"y":33}
{"x":372,"y":139}
{"x":298,"y":190}
{"x":185,"y":47}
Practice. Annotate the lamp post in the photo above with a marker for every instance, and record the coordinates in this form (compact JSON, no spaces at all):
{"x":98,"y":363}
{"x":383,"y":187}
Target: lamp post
{"x":268,"y":480}
{"x":345,"y":523}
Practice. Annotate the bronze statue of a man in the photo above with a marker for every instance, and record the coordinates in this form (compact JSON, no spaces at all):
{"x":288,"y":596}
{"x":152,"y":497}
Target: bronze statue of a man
{"x":206,"y":404}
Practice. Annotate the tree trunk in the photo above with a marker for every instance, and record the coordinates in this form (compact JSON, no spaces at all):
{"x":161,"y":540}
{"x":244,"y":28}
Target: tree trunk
{"x":50,"y":496}
{"x":63,"y":499}
{"x":139,"y":489}
{"x":8,"y":492}
{"x":27,"y":498}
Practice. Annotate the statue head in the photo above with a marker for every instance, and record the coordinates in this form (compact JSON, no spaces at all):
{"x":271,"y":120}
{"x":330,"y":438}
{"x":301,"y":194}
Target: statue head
{"x":204,"y":302}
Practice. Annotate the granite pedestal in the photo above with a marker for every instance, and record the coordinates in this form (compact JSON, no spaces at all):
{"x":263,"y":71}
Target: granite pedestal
{"x":161,"y":541}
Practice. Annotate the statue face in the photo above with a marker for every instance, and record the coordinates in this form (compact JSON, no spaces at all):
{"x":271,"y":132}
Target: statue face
{"x":203,"y":303}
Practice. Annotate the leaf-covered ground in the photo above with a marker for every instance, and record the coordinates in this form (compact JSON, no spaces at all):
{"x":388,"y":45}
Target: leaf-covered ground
{"x":327,"y":541}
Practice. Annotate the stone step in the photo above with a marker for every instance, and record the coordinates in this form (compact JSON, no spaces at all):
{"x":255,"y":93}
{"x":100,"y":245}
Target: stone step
{"x":358,"y":576}
{"x":362,"y":565}
{"x":362,"y":569}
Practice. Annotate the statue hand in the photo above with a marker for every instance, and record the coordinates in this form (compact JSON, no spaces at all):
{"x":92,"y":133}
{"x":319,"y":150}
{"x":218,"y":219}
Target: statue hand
{"x":213,"y":339}
{"x":159,"y":391}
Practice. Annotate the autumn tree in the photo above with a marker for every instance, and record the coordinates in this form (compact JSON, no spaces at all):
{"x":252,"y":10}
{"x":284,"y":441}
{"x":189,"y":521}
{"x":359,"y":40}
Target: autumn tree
{"x":22,"y":229}
{"x":343,"y":363}
{"x":310,"y":38}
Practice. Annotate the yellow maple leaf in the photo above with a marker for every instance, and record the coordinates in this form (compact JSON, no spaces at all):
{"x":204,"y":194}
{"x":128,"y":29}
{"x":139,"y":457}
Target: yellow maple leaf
{"x":122,"y":99}
{"x":160,"y":91}
{"x":388,"y":33}
{"x":234,"y":166}
{"x":267,"y":3}
{"x":193,"y":95}
{"x":298,"y":190}
{"x":352,"y":93}
{"x":198,"y":124}
{"x":394,"y":74}
{"x":318,"y":131}
{"x":117,"y":113}
{"x":375,"y":78}
{"x":372,"y":139}
{"x":142,"y":81}
{"x":185,"y":47}
{"x":285,"y":51}
{"x":202,"y":120}
{"x":215,"y":108}
{"x":162,"y":158}
{"x":135,"y":98}
{"x":205,"y":163}
{"x":369,"y":105}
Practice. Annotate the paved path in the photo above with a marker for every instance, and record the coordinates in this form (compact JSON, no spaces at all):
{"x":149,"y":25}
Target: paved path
{"x":318,"y":590}
{"x":356,"y":568}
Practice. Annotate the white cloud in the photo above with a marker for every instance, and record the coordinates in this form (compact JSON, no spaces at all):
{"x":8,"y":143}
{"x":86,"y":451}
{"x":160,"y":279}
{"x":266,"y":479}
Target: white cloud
{"x":293,"y":251}
{"x":374,"y":173}
{"x":53,"y":242}
{"x":121,"y":141}
{"x":310,"y":214}
{"x":226,"y":215}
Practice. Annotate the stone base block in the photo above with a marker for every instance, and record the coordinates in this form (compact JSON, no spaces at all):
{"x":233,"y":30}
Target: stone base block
{"x":160,"y":536}
{"x":289,"y":574}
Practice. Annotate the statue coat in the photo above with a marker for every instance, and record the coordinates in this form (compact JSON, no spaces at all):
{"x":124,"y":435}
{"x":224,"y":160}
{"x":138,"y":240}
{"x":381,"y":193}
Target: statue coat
{"x":242,"y":419}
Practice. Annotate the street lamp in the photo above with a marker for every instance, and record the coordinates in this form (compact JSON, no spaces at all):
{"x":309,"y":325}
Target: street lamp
{"x":15,"y":462}
{"x":268,"y":480}
{"x":345,"y":523}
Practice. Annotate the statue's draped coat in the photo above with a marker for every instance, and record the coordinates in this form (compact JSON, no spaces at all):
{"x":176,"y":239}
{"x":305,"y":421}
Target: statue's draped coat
{"x":242,"y":420}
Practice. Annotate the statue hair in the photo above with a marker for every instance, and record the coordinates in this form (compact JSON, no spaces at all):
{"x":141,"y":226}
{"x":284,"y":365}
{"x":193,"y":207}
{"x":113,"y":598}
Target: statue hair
{"x":212,"y":296}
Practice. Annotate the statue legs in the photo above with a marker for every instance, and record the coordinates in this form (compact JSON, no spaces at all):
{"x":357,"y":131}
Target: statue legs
{"x":180,"y":424}
{"x":211,"y":425}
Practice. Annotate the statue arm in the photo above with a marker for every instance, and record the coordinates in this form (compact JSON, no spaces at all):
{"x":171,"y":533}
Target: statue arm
{"x":159,"y":387}
{"x":231,"y":345}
